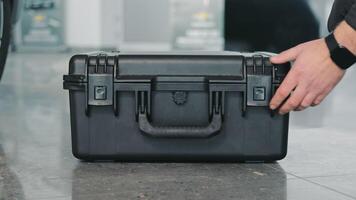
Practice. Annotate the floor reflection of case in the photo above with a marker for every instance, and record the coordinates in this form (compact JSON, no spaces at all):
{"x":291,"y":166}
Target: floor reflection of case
{"x":175,"y":107}
{"x":179,"y":181}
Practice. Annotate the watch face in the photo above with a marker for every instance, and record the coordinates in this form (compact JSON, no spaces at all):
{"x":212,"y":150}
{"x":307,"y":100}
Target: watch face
{"x":5,"y":24}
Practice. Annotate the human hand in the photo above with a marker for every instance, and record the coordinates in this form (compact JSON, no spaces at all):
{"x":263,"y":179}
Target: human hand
{"x":311,"y":78}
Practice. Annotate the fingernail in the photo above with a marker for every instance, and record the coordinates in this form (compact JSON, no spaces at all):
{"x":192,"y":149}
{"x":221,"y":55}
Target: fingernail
{"x":273,"y":107}
{"x":282,"y":113}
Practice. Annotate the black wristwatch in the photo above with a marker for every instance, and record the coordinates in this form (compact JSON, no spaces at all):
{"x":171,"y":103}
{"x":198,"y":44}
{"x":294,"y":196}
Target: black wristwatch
{"x":341,"y":56}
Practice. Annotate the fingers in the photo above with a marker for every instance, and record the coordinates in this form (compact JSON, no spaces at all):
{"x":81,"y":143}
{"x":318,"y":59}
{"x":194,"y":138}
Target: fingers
{"x":312,"y":77}
{"x":290,"y":82}
{"x":307,"y":101}
{"x":320,"y":98}
{"x":287,"y":86}
{"x":314,"y":99}
{"x":286,"y":56}
{"x":295,"y":100}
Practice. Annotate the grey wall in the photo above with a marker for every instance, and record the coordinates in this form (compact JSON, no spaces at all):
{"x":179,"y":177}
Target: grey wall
{"x":146,"y":21}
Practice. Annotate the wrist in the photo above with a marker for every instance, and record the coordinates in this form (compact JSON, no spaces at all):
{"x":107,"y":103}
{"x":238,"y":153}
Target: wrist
{"x":345,"y":35}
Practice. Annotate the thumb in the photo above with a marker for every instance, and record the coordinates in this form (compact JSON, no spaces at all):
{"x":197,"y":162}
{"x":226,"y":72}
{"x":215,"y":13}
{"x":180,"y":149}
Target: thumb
{"x":286,"y":56}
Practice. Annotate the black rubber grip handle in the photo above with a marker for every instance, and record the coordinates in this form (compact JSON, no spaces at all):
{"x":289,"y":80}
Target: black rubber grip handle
{"x":181,"y":131}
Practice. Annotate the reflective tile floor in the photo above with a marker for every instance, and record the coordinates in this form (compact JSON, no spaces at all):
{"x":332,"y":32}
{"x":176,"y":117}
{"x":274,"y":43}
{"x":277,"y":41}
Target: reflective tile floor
{"x":36,"y":161}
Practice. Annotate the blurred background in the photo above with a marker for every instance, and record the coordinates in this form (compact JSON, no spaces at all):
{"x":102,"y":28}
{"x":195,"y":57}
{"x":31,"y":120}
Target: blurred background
{"x":60,"y":26}
{"x":35,"y":144}
{"x":167,"y":24}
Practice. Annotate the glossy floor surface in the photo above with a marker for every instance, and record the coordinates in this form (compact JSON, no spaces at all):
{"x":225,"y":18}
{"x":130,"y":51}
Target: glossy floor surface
{"x":36,"y":161}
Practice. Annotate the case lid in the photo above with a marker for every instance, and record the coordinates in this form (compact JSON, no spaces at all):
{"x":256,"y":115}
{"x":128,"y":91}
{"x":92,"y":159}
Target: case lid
{"x":126,"y":66}
{"x":103,"y":75}
{"x":175,"y":64}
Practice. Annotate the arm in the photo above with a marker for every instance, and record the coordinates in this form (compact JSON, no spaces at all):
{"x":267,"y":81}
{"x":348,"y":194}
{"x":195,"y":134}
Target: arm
{"x":346,"y":35}
{"x":313,"y":74}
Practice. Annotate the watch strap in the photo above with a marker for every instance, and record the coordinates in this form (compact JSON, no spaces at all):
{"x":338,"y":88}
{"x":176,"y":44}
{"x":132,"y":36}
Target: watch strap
{"x":331,"y":42}
{"x":341,"y":56}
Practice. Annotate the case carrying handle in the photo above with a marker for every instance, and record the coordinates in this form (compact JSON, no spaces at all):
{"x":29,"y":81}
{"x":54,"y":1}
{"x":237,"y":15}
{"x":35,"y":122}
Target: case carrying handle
{"x":210,"y":130}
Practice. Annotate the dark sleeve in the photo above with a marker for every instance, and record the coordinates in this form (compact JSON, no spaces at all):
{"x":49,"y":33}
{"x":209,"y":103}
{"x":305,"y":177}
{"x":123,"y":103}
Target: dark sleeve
{"x":351,"y":16}
{"x":342,"y":10}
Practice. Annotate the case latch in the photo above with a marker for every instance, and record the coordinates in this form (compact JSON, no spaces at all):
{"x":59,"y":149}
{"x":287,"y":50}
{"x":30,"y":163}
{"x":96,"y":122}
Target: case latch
{"x":99,"y":90}
{"x":259,"y":81}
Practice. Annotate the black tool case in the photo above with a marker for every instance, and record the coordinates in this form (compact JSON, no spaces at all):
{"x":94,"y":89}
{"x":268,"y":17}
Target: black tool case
{"x":180,"y":107}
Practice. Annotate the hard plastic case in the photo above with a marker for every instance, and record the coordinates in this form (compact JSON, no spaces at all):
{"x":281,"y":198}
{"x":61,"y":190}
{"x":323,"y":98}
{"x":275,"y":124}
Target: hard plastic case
{"x":180,"y":107}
